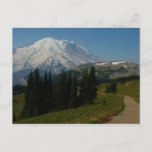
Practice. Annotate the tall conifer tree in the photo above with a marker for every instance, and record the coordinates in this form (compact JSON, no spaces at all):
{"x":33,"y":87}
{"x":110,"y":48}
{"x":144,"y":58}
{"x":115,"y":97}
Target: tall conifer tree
{"x":50,"y":91}
{"x":113,"y":87}
{"x":92,"y":85}
{"x":29,"y":105}
{"x":69,"y":83}
{"x":45,"y":89}
{"x":83,"y":98}
{"x":62,"y":98}
{"x":37,"y":93}
{"x":73,"y":97}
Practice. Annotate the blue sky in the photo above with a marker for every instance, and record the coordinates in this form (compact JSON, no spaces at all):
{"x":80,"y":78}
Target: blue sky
{"x":112,"y":44}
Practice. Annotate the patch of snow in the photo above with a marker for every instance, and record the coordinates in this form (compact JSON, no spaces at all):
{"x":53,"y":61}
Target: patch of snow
{"x":116,"y":63}
{"x":125,"y":66}
{"x":50,"y":52}
{"x":98,"y":64}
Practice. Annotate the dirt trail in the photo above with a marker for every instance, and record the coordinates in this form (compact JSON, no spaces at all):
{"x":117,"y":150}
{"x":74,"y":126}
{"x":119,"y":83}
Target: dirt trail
{"x":130,"y":114}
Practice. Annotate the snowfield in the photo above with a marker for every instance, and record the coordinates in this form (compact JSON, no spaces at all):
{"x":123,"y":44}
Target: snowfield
{"x":49,"y":54}
{"x":53,"y":53}
{"x":116,"y":63}
{"x":125,"y":66}
{"x":98,"y":64}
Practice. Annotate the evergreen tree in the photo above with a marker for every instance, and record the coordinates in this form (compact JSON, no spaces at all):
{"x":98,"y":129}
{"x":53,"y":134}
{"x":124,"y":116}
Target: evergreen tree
{"x":62,"y":98}
{"x":92,"y":88}
{"x":37,"y":93}
{"x":107,"y":89}
{"x":45,"y":89}
{"x":73,"y":97}
{"x":41,"y":95}
{"x":69,"y":85}
{"x":104,"y":101}
{"x":113,"y":87}
{"x":84,"y":85}
{"x":50,"y":91}
{"x":29,"y":105}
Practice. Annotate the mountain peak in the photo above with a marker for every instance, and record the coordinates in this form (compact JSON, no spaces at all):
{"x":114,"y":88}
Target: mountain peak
{"x":51,"y":39}
{"x":45,"y":40}
{"x":49,"y":53}
{"x":48,"y":39}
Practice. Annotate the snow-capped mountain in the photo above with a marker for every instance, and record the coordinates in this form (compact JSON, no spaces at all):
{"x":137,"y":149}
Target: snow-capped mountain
{"x":49,"y":53}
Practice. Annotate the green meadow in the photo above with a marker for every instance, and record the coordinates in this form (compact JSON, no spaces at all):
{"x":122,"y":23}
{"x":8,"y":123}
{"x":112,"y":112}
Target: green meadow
{"x":104,"y":105}
{"x":130,"y":88}
{"x":18,"y":103}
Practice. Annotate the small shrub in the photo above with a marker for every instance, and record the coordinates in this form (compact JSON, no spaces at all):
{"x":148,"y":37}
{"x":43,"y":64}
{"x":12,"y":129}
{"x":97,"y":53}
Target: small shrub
{"x":104,"y":101}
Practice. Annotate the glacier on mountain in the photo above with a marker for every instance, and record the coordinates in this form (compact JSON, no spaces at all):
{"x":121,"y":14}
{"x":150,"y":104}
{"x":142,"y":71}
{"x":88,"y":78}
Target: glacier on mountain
{"x":50,"y":54}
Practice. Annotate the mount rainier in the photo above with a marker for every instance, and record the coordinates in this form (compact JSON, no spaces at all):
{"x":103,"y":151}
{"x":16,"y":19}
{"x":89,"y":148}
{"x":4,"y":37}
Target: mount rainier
{"x":49,"y":54}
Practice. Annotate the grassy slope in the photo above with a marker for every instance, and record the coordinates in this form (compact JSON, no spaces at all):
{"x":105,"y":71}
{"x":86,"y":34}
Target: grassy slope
{"x":131,"y":88}
{"x":89,"y":113}
{"x":18,"y":104}
{"x":84,"y":114}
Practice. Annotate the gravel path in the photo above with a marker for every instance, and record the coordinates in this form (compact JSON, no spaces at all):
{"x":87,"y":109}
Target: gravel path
{"x":130,"y":114}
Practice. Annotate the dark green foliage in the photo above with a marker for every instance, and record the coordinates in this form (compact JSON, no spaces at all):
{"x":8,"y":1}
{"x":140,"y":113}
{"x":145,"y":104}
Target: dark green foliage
{"x":35,"y":104}
{"x":28,"y":106}
{"x":121,"y":80}
{"x":45,"y":91}
{"x":88,"y":89}
{"x":37,"y":93}
{"x":104,"y":101}
{"x":62,"y":97}
{"x":107,"y":89}
{"x":42,"y":96}
{"x":73,"y":102}
{"x":84,"y":88}
{"x":92,"y":92}
{"x":111,"y":88}
{"x":18,"y":89}
{"x":69,"y":86}
{"x":50,"y":92}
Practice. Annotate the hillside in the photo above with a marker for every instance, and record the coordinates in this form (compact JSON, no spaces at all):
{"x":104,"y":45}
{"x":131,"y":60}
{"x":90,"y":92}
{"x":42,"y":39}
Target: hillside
{"x":18,"y":103}
{"x":85,"y":114}
{"x":110,"y":70}
{"x":95,"y":113}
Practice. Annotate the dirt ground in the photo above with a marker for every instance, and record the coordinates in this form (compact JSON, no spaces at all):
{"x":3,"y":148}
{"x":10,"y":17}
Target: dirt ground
{"x":130,"y":114}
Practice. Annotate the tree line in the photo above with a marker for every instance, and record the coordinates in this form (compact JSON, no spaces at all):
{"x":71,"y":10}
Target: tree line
{"x":121,"y":79}
{"x":43,"y":96}
{"x":18,"y":89}
{"x":112,"y":87}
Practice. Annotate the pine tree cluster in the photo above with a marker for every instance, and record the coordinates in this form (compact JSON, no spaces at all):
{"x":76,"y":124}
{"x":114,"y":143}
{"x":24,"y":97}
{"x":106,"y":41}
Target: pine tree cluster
{"x":42,"y":96}
{"x":111,"y":88}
